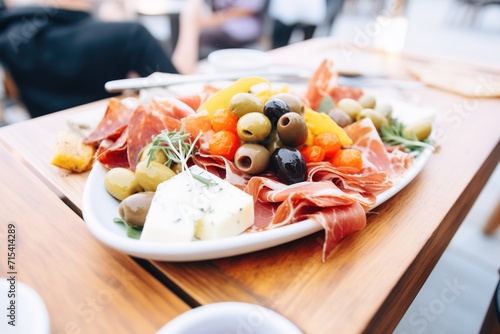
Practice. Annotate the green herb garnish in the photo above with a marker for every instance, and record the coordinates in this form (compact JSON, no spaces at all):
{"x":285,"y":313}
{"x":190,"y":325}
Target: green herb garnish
{"x":394,"y":134}
{"x":178,"y":148}
{"x":133,"y":232}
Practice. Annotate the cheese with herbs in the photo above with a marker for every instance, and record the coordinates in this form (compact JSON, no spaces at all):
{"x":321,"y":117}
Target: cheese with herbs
{"x":185,"y":209}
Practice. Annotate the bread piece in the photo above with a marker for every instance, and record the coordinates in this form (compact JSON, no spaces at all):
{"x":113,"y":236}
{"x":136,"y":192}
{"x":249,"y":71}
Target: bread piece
{"x":72,"y":154}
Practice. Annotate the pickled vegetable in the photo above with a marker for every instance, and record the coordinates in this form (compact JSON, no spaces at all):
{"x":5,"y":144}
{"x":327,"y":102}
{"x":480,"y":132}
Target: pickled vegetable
{"x":253,"y":127}
{"x":121,"y":183}
{"x":318,"y":123}
{"x":221,"y":98}
{"x":274,"y":109}
{"x":134,"y":208}
{"x":244,"y":103}
{"x":289,"y":165}
{"x":292,"y":129}
{"x":294,"y":102}
{"x":150,"y":176}
{"x":251,"y":158}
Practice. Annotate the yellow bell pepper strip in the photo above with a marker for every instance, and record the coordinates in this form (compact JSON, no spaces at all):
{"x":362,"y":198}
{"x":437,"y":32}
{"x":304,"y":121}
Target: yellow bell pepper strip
{"x":221,"y":98}
{"x":318,"y":123}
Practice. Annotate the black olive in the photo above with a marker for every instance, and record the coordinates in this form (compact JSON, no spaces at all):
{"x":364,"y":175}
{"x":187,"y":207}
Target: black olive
{"x":274,"y":109}
{"x":288,"y":164}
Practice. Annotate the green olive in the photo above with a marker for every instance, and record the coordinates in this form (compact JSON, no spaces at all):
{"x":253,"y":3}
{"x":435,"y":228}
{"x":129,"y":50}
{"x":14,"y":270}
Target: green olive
{"x":377,"y":118}
{"x":251,"y":158}
{"x":340,"y":117}
{"x":385,"y":109}
{"x":149,"y":177}
{"x":421,"y":129}
{"x":294,"y":102}
{"x":351,"y":107}
{"x":134,"y":208}
{"x":367,"y":101}
{"x":244,"y":103}
{"x":292,"y":129}
{"x":176,"y":167}
{"x":121,"y":183}
{"x":253,"y":127}
{"x":273,"y":141}
{"x":159,"y":155}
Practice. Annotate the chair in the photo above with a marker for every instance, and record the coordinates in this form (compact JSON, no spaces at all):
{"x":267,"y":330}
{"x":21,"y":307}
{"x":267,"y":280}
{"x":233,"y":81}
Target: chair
{"x":491,"y":323}
{"x":68,"y":56}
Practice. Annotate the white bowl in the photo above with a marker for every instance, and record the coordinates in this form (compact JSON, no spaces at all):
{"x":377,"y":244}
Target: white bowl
{"x":230,"y":317}
{"x":28,"y":309}
{"x":239,"y":59}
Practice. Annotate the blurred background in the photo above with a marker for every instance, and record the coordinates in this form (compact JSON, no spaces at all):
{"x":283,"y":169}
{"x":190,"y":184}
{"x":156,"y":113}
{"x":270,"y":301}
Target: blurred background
{"x":459,"y":29}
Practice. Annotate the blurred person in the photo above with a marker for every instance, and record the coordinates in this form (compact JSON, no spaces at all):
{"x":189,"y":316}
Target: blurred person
{"x":231,"y":24}
{"x":61,"y":56}
{"x":288,"y":16}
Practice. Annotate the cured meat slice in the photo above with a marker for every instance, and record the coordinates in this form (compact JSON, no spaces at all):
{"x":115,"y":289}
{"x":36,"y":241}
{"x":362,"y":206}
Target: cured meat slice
{"x":375,"y":154}
{"x":172,"y":107}
{"x":112,"y":155}
{"x":369,"y":182}
{"x":342,"y":92}
{"x":143,"y":126}
{"x":338,"y":222}
{"x":293,"y":197}
{"x":113,"y":123}
{"x":319,"y":84}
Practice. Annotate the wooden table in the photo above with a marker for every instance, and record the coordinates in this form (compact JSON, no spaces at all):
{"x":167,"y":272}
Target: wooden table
{"x":85,"y":285}
{"x":372,"y":276}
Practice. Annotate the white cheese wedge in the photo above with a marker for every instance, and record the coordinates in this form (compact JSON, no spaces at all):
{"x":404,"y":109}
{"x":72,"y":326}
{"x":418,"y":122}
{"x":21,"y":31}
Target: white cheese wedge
{"x":184,"y":209}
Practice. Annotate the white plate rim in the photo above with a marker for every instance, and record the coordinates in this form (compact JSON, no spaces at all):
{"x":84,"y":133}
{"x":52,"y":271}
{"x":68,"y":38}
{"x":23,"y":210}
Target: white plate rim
{"x":184,"y":322}
{"x":206,"y":249}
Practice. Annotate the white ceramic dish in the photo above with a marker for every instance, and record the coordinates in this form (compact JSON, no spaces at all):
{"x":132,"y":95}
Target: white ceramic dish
{"x":230,"y":317}
{"x":239,"y":59}
{"x":31,"y":314}
{"x":99,"y":209}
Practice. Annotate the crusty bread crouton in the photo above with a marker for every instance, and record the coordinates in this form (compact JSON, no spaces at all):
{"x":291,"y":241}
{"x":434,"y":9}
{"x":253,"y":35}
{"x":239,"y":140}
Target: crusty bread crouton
{"x":72,"y":154}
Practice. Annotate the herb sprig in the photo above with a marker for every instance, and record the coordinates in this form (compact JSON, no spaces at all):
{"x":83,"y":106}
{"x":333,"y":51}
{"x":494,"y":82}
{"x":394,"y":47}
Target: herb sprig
{"x":133,"y":232}
{"x":394,"y":134}
{"x":178,"y":148}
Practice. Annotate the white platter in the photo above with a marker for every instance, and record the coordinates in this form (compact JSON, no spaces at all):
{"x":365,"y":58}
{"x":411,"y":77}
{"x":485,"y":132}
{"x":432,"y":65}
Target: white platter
{"x":99,"y":209}
{"x":230,"y":317}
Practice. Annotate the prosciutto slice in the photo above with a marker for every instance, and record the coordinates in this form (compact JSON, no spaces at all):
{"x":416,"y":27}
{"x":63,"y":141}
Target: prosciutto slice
{"x":376,"y":157}
{"x":113,"y":123}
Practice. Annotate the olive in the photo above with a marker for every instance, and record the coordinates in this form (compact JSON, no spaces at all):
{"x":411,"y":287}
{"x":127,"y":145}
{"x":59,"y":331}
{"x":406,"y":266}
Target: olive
{"x":253,"y":127}
{"x":158,"y":155}
{"x":292,"y":129}
{"x":149,"y":177}
{"x":244,"y":103}
{"x":273,"y":141}
{"x":294,"y":102}
{"x":134,"y":208}
{"x":350,"y":106}
{"x":176,"y":167}
{"x":367,"y":101}
{"x":274,"y":109}
{"x":289,"y":165}
{"x":421,"y":129}
{"x":251,"y":158}
{"x":340,"y":117}
{"x":385,"y":109}
{"x":377,"y":118}
{"x":121,"y":182}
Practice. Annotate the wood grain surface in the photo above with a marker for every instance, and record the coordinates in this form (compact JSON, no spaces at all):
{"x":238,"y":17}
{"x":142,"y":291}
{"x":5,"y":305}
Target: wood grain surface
{"x":87,"y":287}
